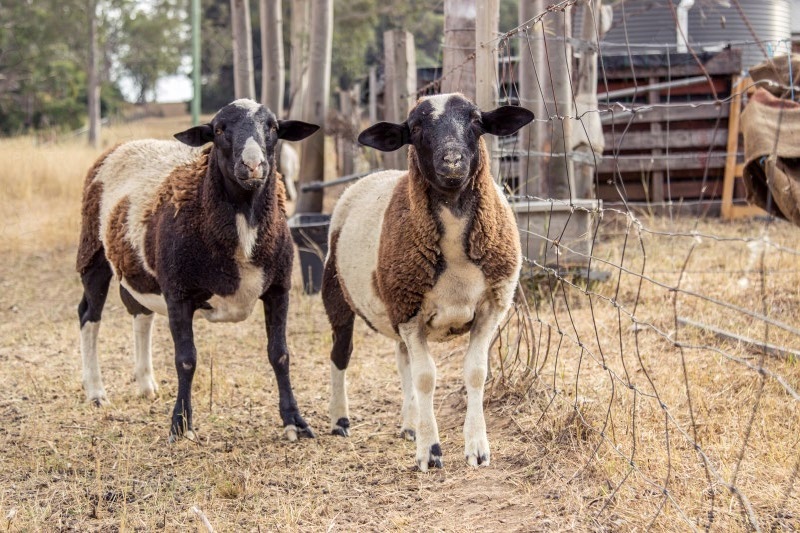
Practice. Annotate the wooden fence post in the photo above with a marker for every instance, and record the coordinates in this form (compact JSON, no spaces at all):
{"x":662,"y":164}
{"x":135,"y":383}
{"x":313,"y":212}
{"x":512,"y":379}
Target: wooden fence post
{"x":400,"y":91}
{"x":486,"y":71}
{"x":532,"y":69}
{"x":458,"y":70}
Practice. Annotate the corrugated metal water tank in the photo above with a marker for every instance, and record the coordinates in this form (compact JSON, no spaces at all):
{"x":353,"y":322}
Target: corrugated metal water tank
{"x":713,"y":24}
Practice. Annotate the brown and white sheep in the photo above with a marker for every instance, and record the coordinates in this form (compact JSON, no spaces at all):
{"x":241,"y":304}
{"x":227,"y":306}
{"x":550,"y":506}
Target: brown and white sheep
{"x":426,"y":255}
{"x":191,"y":231}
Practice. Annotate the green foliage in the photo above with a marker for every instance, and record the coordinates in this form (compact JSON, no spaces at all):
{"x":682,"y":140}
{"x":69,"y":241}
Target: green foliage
{"x":44,"y":50}
{"x":154,"y":39}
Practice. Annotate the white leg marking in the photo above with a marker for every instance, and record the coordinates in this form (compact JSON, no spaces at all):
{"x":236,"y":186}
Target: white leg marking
{"x":338,"y":408}
{"x":476,"y":445}
{"x":142,"y":353}
{"x":92,"y":380}
{"x":423,"y":376}
{"x":409,"y":411}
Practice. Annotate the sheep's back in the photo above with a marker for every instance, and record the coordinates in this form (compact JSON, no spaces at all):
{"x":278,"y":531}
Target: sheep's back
{"x":133,"y":177}
{"x":356,"y":230}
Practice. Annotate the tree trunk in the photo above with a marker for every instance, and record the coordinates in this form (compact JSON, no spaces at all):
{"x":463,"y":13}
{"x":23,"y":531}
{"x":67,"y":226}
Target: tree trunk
{"x":298,"y":65}
{"x":93,"y":83}
{"x":244,"y":85}
{"x":458,"y":69}
{"x":272,"y":75}
{"x":315,"y":108}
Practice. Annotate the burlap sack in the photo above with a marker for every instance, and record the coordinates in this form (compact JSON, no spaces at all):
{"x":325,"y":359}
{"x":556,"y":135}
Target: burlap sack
{"x":771,"y":129}
{"x":779,"y":71}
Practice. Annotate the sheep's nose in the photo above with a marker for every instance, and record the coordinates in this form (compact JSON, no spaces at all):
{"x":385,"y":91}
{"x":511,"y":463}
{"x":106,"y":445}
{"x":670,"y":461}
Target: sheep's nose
{"x":451,"y":158}
{"x":255,"y":168}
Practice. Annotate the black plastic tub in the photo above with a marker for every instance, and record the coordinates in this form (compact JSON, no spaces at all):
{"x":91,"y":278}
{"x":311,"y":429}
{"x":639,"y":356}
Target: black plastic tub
{"x":310,"y":234}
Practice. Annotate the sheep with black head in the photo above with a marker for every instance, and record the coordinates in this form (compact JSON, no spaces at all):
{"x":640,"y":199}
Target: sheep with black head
{"x":426,"y":255}
{"x":191,"y":231}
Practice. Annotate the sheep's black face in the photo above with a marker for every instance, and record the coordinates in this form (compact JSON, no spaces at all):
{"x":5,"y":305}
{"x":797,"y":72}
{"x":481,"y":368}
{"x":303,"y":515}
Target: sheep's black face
{"x":245,"y":134}
{"x":445,"y":130}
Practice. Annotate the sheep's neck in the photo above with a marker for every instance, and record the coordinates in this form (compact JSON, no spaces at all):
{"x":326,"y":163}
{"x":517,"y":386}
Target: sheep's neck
{"x":254,"y":204}
{"x":461,"y":203}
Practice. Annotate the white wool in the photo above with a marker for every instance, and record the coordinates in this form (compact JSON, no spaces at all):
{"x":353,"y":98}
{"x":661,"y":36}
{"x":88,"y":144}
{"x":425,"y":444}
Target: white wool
{"x":439,"y":103}
{"x":249,"y":105}
{"x":136,"y":170}
{"x":358,"y":218}
{"x":252,"y":156}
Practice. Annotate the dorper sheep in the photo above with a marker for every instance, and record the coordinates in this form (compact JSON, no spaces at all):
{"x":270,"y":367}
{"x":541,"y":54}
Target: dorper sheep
{"x":187,"y":232}
{"x":426,"y":255}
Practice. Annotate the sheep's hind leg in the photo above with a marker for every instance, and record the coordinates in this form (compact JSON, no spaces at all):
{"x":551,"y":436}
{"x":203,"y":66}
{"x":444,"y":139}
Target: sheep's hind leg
{"x":340,"y":358}
{"x":142,"y":344}
{"x":96,"y":279}
{"x":342,"y":317}
{"x":409,"y":411}
{"x":423,"y":375}
{"x":276,"y":308}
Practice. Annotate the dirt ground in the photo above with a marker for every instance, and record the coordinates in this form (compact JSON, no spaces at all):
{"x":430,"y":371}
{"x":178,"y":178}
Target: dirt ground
{"x":67,"y":465}
{"x":611,"y":424}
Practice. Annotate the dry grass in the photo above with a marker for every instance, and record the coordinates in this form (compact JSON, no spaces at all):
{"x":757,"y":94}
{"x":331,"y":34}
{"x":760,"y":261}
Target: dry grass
{"x":588,"y":442}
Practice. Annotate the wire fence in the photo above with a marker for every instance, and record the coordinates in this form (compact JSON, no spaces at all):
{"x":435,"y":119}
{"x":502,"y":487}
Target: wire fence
{"x":659,"y":342}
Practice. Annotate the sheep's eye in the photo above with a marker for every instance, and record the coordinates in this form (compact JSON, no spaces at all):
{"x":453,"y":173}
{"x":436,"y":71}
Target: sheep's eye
{"x":416,"y":129}
{"x":476,"y":120}
{"x":218,"y":131}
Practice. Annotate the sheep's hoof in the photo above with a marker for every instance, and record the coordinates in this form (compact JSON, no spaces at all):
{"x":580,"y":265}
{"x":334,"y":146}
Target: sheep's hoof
{"x":476,"y":450}
{"x":477,"y":460}
{"x":148,"y":388}
{"x":293,"y":432}
{"x":100,"y":400}
{"x":188,"y":435}
{"x":408,"y":434}
{"x":341,"y":427}
{"x":432,"y":459}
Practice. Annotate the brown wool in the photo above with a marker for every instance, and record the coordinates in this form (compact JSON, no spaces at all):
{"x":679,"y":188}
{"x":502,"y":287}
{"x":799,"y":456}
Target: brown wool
{"x":122,"y":255}
{"x":409,"y":246}
{"x":90,"y":242}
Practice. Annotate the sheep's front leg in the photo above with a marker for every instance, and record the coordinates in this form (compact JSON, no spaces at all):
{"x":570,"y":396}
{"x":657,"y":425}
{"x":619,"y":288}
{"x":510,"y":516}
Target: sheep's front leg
{"x":476,"y":445}
{"x":423,"y":375}
{"x":276,"y":307}
{"x":180,"y":325}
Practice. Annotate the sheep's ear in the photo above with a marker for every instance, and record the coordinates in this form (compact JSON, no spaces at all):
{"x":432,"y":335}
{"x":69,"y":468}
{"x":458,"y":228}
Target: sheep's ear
{"x":385,"y":136}
{"x":505,"y":120}
{"x":196,"y":136}
{"x":295,"y":130}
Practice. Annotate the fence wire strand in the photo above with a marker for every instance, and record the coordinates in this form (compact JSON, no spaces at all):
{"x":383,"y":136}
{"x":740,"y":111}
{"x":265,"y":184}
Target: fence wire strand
{"x":612,"y":332}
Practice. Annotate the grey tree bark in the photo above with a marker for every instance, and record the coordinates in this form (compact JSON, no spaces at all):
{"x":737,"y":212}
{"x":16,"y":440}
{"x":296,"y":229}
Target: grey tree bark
{"x":93,"y":81}
{"x":298,"y":64}
{"x":244,"y":85}
{"x":315,"y":108}
{"x":272,"y":61}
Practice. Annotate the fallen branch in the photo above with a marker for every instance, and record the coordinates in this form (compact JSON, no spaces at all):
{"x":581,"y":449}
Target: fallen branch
{"x":769,"y":349}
